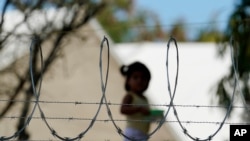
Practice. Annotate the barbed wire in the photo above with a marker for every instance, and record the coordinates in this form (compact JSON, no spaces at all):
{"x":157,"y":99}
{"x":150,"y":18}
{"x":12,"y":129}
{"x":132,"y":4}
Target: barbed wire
{"x":234,"y":58}
{"x":103,"y":101}
{"x":28,"y":119}
{"x":171,"y":94}
{"x":104,"y":85}
{"x":37,"y":94}
{"x":119,"y":104}
{"x":125,"y":120}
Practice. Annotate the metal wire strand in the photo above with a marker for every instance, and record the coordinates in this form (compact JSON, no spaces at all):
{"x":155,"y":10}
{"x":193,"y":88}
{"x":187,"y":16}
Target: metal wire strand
{"x":103,"y":101}
{"x":236,"y":73}
{"x":17,"y":133}
{"x":185,"y":131}
{"x":37,"y":95}
{"x":104,"y":85}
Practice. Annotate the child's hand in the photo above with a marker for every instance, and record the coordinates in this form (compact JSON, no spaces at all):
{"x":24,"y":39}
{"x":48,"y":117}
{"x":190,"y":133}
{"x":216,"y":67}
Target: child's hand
{"x":144,"y":110}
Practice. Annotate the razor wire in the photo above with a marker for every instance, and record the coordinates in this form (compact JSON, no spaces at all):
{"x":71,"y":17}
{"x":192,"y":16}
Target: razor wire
{"x":37,"y":95}
{"x":235,"y":69}
{"x":104,"y":86}
{"x":104,"y":80}
{"x":185,"y":131}
{"x":172,"y":94}
{"x":26,"y":123}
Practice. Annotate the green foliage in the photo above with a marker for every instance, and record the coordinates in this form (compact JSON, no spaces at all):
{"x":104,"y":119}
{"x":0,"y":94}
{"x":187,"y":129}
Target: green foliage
{"x":207,"y":35}
{"x":239,"y":30}
{"x":211,"y":33}
{"x":125,"y":24}
{"x":107,"y":18}
{"x":178,"y":30}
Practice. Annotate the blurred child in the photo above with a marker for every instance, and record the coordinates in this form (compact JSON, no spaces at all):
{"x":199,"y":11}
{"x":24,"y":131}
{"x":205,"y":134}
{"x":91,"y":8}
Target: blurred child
{"x":135,"y":104}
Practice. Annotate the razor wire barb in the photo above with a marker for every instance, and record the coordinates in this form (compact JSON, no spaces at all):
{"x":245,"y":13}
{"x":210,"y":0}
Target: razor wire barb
{"x":37,"y":95}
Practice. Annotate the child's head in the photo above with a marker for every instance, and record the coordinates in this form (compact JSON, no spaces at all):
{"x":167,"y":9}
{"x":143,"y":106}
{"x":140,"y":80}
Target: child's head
{"x":137,"y":77}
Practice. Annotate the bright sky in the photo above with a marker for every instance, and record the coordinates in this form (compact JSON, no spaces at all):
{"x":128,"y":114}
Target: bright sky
{"x":197,"y":13}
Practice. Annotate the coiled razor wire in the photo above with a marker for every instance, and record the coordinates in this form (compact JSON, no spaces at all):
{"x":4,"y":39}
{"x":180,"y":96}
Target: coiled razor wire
{"x":185,"y":131}
{"x":37,"y":95}
{"x":103,"y":98}
{"x":235,"y":68}
{"x":104,"y":86}
{"x":26,"y":123}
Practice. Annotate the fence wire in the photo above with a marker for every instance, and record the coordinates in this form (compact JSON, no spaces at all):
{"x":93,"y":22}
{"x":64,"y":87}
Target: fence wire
{"x":103,"y":101}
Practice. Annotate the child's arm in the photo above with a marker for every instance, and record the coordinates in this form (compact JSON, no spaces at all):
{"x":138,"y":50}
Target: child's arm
{"x":128,"y":109}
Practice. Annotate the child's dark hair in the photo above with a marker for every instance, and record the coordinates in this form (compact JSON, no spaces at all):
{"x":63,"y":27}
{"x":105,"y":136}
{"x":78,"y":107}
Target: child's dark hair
{"x":136,"y":66}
